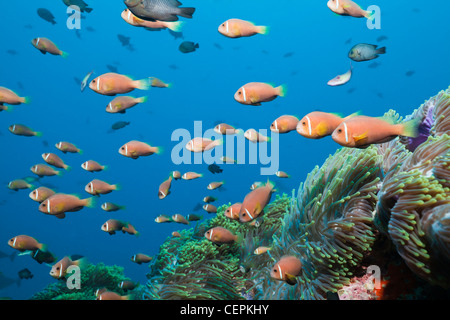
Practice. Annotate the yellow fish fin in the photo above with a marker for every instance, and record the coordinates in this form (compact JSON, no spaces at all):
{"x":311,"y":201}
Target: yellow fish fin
{"x":322,"y":128}
{"x":361,"y":139}
{"x":290,"y":279}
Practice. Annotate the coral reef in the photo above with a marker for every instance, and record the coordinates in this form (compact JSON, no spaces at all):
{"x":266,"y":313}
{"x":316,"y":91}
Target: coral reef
{"x":385,"y":206}
{"x":93,"y":277}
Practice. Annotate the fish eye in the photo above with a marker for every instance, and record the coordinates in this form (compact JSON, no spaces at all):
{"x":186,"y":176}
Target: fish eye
{"x":304,"y":123}
{"x":43,"y":204}
{"x":93,"y":81}
{"x":339,"y":130}
{"x":239,"y":92}
{"x":57,"y":268}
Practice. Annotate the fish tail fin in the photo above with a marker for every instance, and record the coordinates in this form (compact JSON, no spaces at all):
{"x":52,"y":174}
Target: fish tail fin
{"x":282,"y":90}
{"x":218,"y":142}
{"x":411,"y":128}
{"x":90,"y":202}
{"x":67,"y":167}
{"x":7,"y":108}
{"x":197,"y":46}
{"x":117,"y":187}
{"x":369,"y":15}
{"x":59,"y":173}
{"x":175,"y":26}
{"x":64,"y":54}
{"x":263,"y":29}
{"x":81,"y":263}
{"x":27,"y":100}
{"x":239,"y":131}
{"x":381,"y":50}
{"x":271,"y":184}
{"x":38,"y":134}
{"x":80,"y":151}
{"x":186,"y":12}
{"x":43,"y":247}
{"x":159,"y":150}
{"x":105,"y":167}
{"x":142,"y":99}
{"x":143,"y":84}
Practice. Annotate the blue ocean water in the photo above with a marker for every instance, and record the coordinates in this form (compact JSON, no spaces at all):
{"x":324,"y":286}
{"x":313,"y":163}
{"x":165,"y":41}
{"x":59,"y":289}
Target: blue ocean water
{"x":306,"y":46}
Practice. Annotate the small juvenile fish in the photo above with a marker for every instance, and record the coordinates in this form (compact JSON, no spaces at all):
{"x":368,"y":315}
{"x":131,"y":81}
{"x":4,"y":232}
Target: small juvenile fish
{"x":191,"y":175}
{"x":261,"y":250}
{"x":227,"y":160}
{"x":141,"y":258}
{"x":46,"y":15}
{"x":122,"y":103}
{"x":193,"y":217}
{"x":111,"y":207}
{"x":67,"y":147}
{"x":348,"y":8}
{"x":10,"y":97}
{"x":341,"y":79}
{"x":221,"y":235}
{"x":226,"y":129}
{"x":236,"y":28}
{"x":284,"y":124}
{"x":164,"y":188}
{"x":135,"y":149}
{"x":43,"y":170}
{"x":93,"y":166}
{"x":232,"y":211}
{"x":85,"y":80}
{"x":163,"y":218}
{"x":131,"y":19}
{"x":25,"y":243}
{"x":210,"y":208}
{"x":317,"y":124}
{"x":127,"y":285}
{"x":282,"y":174}
{"x":22,"y":130}
{"x":362,"y":131}
{"x":120,"y":124}
{"x":188,"y":46}
{"x":113,"y":225}
{"x":176,"y":175}
{"x":176,"y":234}
{"x":58,"y":204}
{"x":209,"y":199}
{"x":59,"y":269}
{"x":41,"y":194}
{"x":203,"y":144}
{"x":256,"y":185}
{"x":45,"y":45}
{"x":215,"y":185}
{"x":365,"y":52}
{"x":254,"y":93}
{"x":25,"y":274}
{"x":19,"y":184}
{"x":130,"y":230}
{"x":180,"y":219}
{"x":97,"y":187}
{"x":286,"y":269}
{"x":157,"y":83}
{"x":111,"y":84}
{"x":55,"y":161}
{"x":254,"y":136}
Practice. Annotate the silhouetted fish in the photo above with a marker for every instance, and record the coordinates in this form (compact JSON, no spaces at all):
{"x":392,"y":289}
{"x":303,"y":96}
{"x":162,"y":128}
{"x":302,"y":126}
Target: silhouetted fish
{"x":25,"y":274}
{"x":188,"y":46}
{"x":410,"y":73}
{"x":79,"y":3}
{"x":214,"y":168}
{"x":6,"y":282}
{"x":46,"y":15}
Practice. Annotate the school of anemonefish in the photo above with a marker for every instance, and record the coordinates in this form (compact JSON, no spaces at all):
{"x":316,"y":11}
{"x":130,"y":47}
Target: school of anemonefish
{"x":353,"y":131}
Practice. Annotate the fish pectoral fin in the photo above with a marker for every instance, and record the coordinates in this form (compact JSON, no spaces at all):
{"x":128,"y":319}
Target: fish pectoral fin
{"x":322,"y":128}
{"x":43,"y":52}
{"x":290,"y":279}
{"x":61,"y":216}
{"x":361,"y":138}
